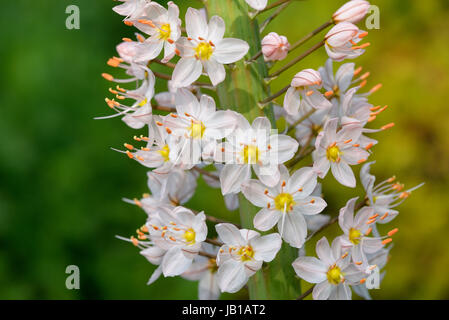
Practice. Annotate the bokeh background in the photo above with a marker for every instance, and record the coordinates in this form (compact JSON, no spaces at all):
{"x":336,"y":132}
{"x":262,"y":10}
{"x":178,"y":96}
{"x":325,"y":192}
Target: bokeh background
{"x":61,"y":185}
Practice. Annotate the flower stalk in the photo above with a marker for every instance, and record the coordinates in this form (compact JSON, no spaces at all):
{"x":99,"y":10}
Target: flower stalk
{"x":241,"y":91}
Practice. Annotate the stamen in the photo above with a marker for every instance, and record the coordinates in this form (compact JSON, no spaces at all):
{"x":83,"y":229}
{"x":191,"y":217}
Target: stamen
{"x":386,"y":241}
{"x":392,"y":232}
{"x":107,"y":76}
{"x":375,"y":88}
{"x":357,"y":71}
{"x":388,"y":126}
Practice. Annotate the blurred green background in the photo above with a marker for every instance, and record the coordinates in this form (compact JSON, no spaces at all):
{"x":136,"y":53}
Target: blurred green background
{"x":61,"y":185}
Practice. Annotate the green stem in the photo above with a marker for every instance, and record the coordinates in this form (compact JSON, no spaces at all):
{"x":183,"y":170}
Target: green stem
{"x":243,"y":88}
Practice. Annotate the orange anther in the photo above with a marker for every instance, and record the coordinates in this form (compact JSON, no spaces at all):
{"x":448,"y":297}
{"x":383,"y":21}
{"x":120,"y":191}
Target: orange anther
{"x":392,"y":232}
{"x":375,"y":88}
{"x":128,"y":146}
{"x":329,"y":93}
{"x":107,"y":76}
{"x":130,"y":155}
{"x":386,"y":241}
{"x":388,"y":126}
{"x":384,"y":216}
{"x":357,"y":71}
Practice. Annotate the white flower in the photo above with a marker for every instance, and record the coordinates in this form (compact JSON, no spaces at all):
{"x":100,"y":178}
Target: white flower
{"x":356,"y":230}
{"x":199,"y":121}
{"x":173,"y":188}
{"x":257,"y":4}
{"x":253,"y":146}
{"x":164,"y":28}
{"x":286,"y":204}
{"x":205,"y":270}
{"x":342,"y":80}
{"x":205,"y":48}
{"x":305,"y":84}
{"x":352,"y":11}
{"x":242,"y":255}
{"x":339,"y":150}
{"x":180,"y":232}
{"x":162,"y":152}
{"x":385,"y":196}
{"x":275,"y":47}
{"x":332,"y":272}
{"x":341,"y":42}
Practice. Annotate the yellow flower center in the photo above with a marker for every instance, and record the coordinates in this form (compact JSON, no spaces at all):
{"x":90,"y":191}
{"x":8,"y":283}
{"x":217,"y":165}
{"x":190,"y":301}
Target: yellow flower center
{"x":197,"y":130}
{"x":164,"y":32}
{"x":204,"y":51}
{"x":333,"y":154}
{"x":165,"y":153}
{"x":284,"y":201}
{"x":251,"y":154}
{"x":143,"y":102}
{"x":334,"y":275}
{"x":354,"y":236}
{"x":189,"y":236}
{"x":246,"y":253}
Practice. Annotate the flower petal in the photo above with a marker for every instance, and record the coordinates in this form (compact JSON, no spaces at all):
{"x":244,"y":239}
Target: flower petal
{"x":230,"y":50}
{"x":310,"y":269}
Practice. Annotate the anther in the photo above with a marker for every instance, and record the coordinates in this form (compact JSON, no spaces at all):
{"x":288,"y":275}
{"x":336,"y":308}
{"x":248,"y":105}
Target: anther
{"x":369,"y":146}
{"x":392,"y":232}
{"x":107,"y":76}
{"x":388,"y":126}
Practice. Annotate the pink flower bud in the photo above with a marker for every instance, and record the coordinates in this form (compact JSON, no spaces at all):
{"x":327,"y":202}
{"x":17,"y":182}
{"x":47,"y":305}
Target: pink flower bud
{"x":275,"y":47}
{"x":352,"y":11}
{"x":306,"y":78}
{"x":341,"y":42}
{"x":341,"y":34}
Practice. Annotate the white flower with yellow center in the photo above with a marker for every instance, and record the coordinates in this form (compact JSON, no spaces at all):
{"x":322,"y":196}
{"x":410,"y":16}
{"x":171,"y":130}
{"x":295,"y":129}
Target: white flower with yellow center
{"x":332,"y":271}
{"x":253,"y":146}
{"x":164,"y":28}
{"x":180,"y":232}
{"x":286,"y":204}
{"x":357,"y":230}
{"x":198,"y":122}
{"x":339,"y":150}
{"x":242,"y":254}
{"x":205,"y":48}
{"x":162,"y":151}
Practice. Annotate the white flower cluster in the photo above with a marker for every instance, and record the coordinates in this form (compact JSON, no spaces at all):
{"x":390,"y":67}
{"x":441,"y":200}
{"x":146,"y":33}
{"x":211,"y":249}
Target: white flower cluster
{"x":326,"y":116}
